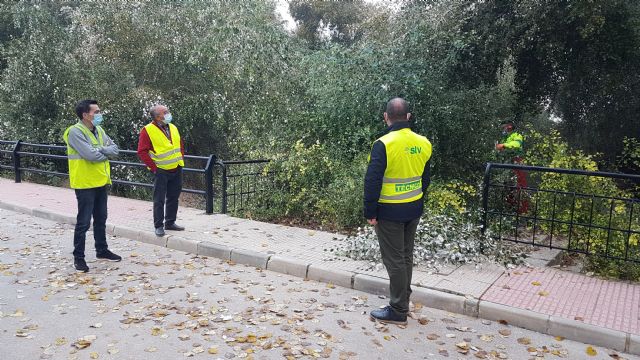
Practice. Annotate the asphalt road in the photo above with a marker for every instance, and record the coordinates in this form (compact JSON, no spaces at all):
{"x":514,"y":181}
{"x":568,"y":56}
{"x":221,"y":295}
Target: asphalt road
{"x":163,"y":304}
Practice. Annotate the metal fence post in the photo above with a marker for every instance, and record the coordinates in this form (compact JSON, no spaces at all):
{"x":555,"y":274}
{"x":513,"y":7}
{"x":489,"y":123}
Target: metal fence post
{"x":485,"y":196}
{"x":224,"y":185}
{"x":16,"y":160}
{"x":208,"y":179}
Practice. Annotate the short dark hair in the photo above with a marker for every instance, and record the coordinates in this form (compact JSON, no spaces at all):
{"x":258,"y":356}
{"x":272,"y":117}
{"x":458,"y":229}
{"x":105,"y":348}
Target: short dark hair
{"x":84,"y":106}
{"x":397,"y":109}
{"x":508,"y":122}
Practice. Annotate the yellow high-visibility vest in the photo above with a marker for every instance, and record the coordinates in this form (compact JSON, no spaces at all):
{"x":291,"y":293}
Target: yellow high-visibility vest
{"x":166,"y":154}
{"x":85,"y":174}
{"x":407,"y":155}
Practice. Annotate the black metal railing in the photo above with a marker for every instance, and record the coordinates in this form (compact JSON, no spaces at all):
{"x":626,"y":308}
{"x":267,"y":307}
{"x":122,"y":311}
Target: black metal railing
{"x":242,"y":181}
{"x":572,"y":210}
{"x":239,"y":180}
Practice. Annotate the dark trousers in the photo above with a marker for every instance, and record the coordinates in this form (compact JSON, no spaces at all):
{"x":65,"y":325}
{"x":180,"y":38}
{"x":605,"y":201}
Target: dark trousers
{"x":91,"y":202}
{"x":396,"y":241}
{"x":166,"y":189}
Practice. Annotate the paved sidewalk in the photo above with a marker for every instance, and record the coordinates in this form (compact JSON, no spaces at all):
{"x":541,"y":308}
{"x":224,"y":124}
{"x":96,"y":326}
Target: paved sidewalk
{"x":543,"y":299}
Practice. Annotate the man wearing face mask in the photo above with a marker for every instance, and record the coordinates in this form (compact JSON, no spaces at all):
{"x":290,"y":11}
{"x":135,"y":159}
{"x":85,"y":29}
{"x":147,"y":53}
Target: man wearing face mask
{"x":162,"y":150}
{"x":88,"y":152}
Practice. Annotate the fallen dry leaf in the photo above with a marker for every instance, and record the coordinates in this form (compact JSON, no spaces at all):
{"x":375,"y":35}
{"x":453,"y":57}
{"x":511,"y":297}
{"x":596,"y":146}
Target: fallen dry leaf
{"x":524,"y":341}
{"x":591,"y":351}
{"x":504,"y":332}
{"x":82,"y":344}
{"x":486,"y":338}
{"x":343,"y":325}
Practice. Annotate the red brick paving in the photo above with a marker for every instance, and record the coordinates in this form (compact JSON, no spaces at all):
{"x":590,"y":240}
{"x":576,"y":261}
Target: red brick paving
{"x":611,"y":304}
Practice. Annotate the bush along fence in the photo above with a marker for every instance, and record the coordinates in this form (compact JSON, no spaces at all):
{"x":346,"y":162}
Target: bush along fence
{"x":227,"y":186}
{"x":584,"y":212}
{"x":577,"y":211}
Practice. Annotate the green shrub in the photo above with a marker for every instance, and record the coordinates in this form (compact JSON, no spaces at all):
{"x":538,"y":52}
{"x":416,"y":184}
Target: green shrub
{"x":313,"y":186}
{"x":593,"y":208}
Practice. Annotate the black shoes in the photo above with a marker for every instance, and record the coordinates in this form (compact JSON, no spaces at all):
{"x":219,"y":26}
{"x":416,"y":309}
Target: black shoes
{"x":174,"y":227}
{"x":108,"y":255}
{"x":80,"y":265}
{"x":387,"y":315}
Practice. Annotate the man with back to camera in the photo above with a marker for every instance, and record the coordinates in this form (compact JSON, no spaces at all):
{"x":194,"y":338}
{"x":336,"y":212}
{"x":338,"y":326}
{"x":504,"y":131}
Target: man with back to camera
{"x":162,"y":150}
{"x":396,"y":180}
{"x":88,"y":152}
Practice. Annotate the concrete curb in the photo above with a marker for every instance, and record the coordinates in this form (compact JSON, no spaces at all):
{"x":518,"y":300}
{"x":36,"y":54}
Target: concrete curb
{"x":527,"y":319}
{"x":214,"y":250}
{"x":182,"y":244}
{"x":288,"y":266}
{"x":371,"y":284}
{"x":513,"y":316}
{"x":633,"y":344}
{"x":331,"y":276}
{"x":438,"y":299}
{"x":588,"y":334}
{"x":50,"y":215}
{"x":151,"y":238}
{"x":250,"y":257}
{"x":126,"y":232}
{"x":16,"y":208}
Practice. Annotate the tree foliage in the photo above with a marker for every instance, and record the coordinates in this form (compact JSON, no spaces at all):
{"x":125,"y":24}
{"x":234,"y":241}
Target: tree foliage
{"x":241,"y":86}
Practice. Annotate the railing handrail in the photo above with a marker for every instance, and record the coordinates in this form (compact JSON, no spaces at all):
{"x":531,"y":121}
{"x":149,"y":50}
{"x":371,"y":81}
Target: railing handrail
{"x":16,"y":153}
{"x":563,"y":171}
{"x":512,"y":194}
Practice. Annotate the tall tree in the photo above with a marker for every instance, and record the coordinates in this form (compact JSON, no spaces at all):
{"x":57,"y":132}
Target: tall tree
{"x":321,"y":21}
{"x":579,"y":59}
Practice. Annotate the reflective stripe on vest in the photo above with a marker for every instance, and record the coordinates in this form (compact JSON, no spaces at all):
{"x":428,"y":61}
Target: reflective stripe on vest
{"x":407,"y":154}
{"x":85,"y":174}
{"x":166,"y":153}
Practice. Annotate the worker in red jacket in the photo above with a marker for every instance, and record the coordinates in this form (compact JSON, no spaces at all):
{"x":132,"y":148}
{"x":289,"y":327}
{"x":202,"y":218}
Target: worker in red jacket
{"x":162,"y":150}
{"x":512,"y":150}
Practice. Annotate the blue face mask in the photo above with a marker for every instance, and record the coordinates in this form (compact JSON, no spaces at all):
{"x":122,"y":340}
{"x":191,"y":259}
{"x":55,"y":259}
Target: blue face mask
{"x":168,"y":118}
{"x":97,"y":120}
